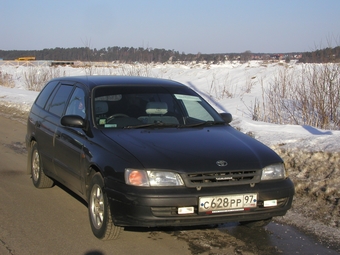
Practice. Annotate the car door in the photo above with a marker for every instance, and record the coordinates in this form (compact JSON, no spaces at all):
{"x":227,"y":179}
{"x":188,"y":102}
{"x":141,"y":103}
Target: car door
{"x":69,"y":143}
{"x":44,"y":125}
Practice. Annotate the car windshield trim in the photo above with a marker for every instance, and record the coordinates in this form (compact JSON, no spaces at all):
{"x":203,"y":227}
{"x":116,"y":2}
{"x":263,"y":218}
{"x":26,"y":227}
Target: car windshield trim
{"x":151,"y":125}
{"x":203,"y":123}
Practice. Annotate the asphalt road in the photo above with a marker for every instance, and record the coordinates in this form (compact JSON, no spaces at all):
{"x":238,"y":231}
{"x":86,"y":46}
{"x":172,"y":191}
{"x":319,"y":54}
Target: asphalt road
{"x":54,"y":221}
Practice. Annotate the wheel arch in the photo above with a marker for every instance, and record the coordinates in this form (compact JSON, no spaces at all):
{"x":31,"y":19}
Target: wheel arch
{"x":93,"y":169}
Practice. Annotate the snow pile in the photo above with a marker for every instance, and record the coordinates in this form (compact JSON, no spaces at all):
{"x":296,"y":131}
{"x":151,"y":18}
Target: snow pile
{"x":315,"y":175}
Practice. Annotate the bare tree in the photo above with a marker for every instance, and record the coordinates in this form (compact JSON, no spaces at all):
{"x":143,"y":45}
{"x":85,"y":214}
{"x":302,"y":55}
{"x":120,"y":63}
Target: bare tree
{"x":246,"y":56}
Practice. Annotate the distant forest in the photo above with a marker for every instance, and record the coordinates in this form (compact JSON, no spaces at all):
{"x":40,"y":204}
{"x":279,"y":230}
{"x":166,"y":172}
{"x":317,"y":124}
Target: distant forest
{"x":322,"y":56}
{"x":148,"y":55}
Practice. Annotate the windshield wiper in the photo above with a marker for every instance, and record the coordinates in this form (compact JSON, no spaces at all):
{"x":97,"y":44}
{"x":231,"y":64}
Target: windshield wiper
{"x":161,"y":124}
{"x":156,"y":124}
{"x":204,"y":123}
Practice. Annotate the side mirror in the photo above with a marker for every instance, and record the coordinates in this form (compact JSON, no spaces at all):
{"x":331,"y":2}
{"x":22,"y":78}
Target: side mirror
{"x":227,"y":117}
{"x":72,"y":121}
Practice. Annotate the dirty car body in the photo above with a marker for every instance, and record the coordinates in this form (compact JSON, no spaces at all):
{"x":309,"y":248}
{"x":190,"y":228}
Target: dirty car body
{"x":150,"y":152}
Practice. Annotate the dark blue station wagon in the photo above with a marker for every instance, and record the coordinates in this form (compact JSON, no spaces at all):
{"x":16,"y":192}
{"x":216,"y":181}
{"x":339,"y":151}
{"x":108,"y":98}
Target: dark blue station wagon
{"x":149,"y":152}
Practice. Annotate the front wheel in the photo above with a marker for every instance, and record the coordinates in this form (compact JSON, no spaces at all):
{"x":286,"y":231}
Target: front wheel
{"x":40,"y":180}
{"x":99,"y":211}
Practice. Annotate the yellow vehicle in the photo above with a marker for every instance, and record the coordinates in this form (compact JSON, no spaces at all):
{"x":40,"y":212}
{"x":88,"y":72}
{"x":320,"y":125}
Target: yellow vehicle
{"x":25,"y":59}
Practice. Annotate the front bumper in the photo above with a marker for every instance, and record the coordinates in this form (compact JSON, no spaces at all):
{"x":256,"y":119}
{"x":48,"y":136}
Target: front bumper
{"x":155,"y":207}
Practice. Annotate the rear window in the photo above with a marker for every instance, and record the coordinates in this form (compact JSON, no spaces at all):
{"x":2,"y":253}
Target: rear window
{"x":46,"y":93}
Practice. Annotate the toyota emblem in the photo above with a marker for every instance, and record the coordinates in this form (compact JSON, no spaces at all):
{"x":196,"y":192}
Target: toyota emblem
{"x":221,"y":163}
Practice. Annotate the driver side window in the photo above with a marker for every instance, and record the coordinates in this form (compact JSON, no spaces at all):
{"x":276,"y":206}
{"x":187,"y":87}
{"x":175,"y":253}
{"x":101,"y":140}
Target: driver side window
{"x":76,"y":105}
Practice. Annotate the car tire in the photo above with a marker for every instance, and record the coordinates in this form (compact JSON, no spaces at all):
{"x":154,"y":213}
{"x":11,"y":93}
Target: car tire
{"x":40,"y":180}
{"x":256,"y":223}
{"x":99,"y":211}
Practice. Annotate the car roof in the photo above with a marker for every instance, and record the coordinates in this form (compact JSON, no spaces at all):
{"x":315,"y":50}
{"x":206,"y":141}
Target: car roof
{"x":92,"y":81}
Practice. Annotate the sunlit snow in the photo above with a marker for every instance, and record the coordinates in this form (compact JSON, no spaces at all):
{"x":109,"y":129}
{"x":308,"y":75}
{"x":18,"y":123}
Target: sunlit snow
{"x":211,"y":81}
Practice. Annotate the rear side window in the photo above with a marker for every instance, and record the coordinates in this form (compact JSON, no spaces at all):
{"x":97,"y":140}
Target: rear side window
{"x":46,"y":93}
{"x":59,"y":101}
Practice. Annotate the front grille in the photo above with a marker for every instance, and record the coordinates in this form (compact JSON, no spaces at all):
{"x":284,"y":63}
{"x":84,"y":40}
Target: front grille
{"x":226,"y":178}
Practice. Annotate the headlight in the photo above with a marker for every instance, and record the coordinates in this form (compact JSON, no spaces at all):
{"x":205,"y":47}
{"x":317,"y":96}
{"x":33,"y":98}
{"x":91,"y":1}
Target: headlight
{"x":153,"y":178}
{"x":273,"y":172}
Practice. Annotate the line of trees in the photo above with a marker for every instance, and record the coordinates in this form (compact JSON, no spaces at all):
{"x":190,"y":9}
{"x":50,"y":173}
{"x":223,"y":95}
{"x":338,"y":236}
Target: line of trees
{"x":327,"y":55}
{"x":148,"y":55}
{"x":121,"y":54}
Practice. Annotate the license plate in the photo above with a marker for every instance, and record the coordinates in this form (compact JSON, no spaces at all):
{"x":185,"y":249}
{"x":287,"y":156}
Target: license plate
{"x":227,"y":203}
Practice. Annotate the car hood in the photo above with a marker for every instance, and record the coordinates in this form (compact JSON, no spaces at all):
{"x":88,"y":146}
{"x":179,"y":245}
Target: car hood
{"x":194,"y":149}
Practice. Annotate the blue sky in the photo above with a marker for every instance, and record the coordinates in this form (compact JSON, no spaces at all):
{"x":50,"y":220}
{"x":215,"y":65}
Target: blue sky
{"x":189,"y":26}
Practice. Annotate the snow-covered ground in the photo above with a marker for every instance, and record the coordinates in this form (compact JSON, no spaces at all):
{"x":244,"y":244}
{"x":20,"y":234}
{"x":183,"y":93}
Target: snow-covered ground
{"x":312,"y":155}
{"x":242,"y":82}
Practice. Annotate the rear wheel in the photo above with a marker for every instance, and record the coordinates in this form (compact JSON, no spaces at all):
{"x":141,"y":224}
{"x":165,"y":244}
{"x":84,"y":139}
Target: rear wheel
{"x":40,"y":180}
{"x":99,"y":211}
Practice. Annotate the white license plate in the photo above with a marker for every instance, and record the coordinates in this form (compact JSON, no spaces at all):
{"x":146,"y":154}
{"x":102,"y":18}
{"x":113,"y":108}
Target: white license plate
{"x":227,"y":203}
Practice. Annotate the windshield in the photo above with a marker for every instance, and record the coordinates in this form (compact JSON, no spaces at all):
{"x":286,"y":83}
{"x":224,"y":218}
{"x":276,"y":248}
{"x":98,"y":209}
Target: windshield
{"x":154,"y":106}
